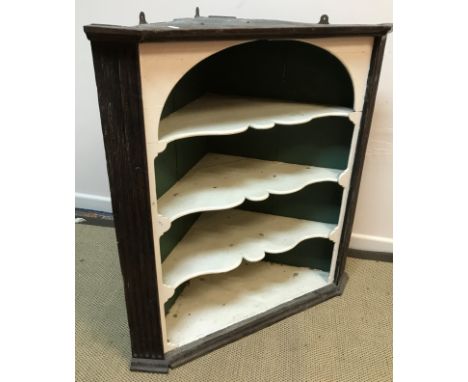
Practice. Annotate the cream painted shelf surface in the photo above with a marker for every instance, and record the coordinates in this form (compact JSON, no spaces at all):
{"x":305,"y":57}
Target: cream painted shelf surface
{"x":214,"y":114}
{"x":219,"y":182}
{"x":213,"y":303}
{"x":219,"y":241}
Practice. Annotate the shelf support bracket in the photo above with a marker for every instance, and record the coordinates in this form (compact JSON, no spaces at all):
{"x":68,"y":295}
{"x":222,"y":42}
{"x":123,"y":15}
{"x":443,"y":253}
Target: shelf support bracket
{"x":355,"y":117}
{"x":344,"y":178}
{"x":163,"y":224}
{"x":335,"y":234}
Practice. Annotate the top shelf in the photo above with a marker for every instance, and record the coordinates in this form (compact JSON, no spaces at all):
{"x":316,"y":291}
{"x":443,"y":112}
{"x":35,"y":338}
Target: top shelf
{"x":224,"y":115}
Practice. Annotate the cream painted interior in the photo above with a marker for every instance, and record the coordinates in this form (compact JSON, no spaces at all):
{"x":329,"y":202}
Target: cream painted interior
{"x":202,"y":188}
{"x":162,"y":65}
{"x":206,"y":116}
{"x":213,"y":303}
{"x":219,"y":241}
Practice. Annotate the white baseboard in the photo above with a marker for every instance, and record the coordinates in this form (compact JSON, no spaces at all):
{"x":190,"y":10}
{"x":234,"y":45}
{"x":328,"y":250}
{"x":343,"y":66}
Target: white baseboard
{"x":371,"y":243}
{"x":93,"y":202}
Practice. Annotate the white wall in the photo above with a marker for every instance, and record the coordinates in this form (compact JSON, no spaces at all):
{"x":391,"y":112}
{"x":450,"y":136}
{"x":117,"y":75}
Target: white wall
{"x":373,"y":224}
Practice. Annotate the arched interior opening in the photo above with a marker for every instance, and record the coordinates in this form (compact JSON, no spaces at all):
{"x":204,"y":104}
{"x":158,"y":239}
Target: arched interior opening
{"x":290,"y":71}
{"x":284,"y":69}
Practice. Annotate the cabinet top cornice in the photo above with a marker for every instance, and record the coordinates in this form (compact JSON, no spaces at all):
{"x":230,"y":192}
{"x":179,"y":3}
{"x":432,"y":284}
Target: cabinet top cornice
{"x":223,"y":27}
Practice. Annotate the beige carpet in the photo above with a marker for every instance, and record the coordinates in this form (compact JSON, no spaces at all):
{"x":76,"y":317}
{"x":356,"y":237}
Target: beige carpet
{"x":348,"y":338}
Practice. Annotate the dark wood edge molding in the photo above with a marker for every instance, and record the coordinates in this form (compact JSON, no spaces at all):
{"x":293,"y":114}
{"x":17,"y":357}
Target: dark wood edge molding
{"x":371,"y":255}
{"x":150,"y":365}
{"x":117,"y":73}
{"x":251,"y":325}
{"x":100,"y":32}
{"x":366,"y":120}
{"x":234,"y":332}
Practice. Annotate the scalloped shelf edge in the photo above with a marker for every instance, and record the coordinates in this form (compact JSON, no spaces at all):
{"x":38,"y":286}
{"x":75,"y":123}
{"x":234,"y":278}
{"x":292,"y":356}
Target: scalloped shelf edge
{"x":267,"y":123}
{"x":165,"y":223}
{"x":332,"y":235}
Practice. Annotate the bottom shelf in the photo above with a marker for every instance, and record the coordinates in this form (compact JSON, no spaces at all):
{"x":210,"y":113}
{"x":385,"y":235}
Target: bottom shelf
{"x":211,"y":303}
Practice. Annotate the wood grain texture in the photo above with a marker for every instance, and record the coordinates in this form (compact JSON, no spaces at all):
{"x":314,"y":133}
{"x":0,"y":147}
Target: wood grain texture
{"x":119,"y":92}
{"x":215,"y":28}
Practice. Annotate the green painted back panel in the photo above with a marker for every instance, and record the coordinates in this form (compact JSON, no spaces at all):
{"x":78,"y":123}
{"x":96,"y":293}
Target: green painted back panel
{"x":168,"y":304}
{"x":319,"y":202}
{"x":178,"y":229}
{"x":323,"y":142}
{"x":174,"y":162}
{"x":282,"y":69}
{"x":170,"y":166}
{"x":312,"y":253}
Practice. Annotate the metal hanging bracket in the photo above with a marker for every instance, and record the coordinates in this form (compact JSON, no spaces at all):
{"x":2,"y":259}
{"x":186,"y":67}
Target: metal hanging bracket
{"x":143,"y":18}
{"x":324,"y":19}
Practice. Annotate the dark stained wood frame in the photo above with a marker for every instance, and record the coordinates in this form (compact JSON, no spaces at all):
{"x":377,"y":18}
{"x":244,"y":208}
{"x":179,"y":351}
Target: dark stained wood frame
{"x":195,"y":29}
{"x":117,"y":71}
{"x":361,"y":146}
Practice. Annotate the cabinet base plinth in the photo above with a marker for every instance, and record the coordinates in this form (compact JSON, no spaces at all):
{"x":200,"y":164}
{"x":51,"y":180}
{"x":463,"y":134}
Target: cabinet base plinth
{"x":150,"y":365}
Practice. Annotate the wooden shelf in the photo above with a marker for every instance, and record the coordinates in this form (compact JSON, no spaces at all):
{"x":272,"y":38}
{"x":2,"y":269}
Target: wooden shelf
{"x":219,"y":182}
{"x":219,"y":241}
{"x":223,"y":115}
{"x":212,"y":303}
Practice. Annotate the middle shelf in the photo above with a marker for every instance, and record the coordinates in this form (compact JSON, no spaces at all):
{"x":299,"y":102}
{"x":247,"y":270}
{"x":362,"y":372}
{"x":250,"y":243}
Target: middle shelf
{"x":220,"y":181}
{"x":219,"y":241}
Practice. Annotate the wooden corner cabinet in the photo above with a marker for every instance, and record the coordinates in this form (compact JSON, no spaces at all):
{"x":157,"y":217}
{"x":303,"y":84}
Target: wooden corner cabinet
{"x":234,"y":151}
